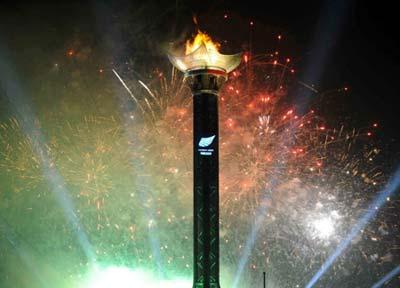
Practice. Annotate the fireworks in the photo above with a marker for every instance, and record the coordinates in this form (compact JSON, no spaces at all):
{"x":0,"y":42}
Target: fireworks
{"x":19,"y":164}
{"x":301,"y":182}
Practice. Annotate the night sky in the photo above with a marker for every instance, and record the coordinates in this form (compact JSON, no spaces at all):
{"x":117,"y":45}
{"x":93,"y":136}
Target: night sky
{"x":362,"y":53}
{"x":59,"y":58}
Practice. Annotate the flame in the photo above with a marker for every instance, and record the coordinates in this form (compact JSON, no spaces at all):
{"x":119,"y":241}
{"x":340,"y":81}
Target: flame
{"x":200,"y":38}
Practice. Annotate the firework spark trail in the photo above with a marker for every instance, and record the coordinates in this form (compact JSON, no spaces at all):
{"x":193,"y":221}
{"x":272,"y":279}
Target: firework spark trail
{"x":28,"y":176}
{"x":129,"y":90}
{"x":391,"y":188}
{"x":18,"y":100}
{"x":387,"y":277}
{"x":149,"y":91}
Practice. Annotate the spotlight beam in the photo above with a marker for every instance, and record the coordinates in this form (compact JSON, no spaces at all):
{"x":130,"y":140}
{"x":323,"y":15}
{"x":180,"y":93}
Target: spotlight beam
{"x":250,"y":241}
{"x":145,"y":187}
{"x":23,"y":108}
{"x":23,"y":254}
{"x":387,"y":277}
{"x":391,"y":188}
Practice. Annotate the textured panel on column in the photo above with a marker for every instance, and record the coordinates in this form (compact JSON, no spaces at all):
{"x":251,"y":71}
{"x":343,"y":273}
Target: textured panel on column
{"x":199,"y":234}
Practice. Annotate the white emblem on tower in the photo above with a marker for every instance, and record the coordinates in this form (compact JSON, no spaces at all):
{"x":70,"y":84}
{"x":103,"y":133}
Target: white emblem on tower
{"x":206,"y":141}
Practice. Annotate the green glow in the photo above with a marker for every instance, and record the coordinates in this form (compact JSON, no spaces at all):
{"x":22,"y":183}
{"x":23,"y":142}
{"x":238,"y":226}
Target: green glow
{"x":123,"y":277}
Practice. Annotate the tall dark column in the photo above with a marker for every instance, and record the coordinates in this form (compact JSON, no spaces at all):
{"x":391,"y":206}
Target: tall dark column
{"x":205,"y":71}
{"x":205,"y":85}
